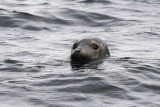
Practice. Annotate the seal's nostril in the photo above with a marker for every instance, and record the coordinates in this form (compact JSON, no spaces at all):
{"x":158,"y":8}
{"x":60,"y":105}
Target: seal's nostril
{"x":77,"y":51}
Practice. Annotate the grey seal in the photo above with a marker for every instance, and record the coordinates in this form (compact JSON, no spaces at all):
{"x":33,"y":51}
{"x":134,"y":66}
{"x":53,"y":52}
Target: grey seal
{"x":87,"y":50}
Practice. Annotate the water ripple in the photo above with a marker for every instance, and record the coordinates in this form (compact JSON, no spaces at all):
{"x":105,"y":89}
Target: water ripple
{"x":36,"y":41}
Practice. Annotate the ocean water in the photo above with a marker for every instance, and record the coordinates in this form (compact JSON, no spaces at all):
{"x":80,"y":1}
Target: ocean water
{"x":36,"y":38}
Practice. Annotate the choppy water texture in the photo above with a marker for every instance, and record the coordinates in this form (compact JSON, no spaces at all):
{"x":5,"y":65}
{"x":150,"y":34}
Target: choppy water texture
{"x":36,"y":38}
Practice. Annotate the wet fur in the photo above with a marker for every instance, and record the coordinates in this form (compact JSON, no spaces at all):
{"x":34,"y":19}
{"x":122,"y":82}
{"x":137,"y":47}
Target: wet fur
{"x":85,"y":53}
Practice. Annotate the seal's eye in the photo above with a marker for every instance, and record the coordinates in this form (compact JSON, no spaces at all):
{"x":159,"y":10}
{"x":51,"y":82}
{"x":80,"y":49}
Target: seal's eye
{"x":95,"y":46}
{"x":75,"y":46}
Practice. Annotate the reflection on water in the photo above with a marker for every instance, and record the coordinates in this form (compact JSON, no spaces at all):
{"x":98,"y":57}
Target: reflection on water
{"x":35,"y":47}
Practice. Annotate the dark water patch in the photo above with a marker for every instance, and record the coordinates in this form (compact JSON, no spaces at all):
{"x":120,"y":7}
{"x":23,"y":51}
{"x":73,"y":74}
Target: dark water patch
{"x":133,"y":10}
{"x":146,"y":88}
{"x":46,"y":76}
{"x":96,"y":1}
{"x":151,"y":87}
{"x":16,"y":81}
{"x":146,"y":1}
{"x":2,"y":9}
{"x":36,"y":101}
{"x":148,"y":35}
{"x":152,"y":33}
{"x":19,"y":86}
{"x":10,"y":61}
{"x":66,"y":81}
{"x":77,"y":18}
{"x":55,"y":102}
{"x":93,"y":87}
{"x":151,"y":68}
{"x":28,"y":53}
{"x":19,"y":68}
{"x":19,"y":19}
{"x":57,"y":105}
{"x":10,"y":94}
{"x":24,"y":4}
{"x":34,"y":28}
{"x":64,"y":76}
{"x":7,"y":44}
{"x":138,"y":65}
{"x":141,"y":69}
{"x":128,"y":60}
{"x":146,"y":70}
{"x":6,"y":21}
{"x":36,"y":18}
{"x":45,"y":3}
{"x":89,"y":18}
{"x":134,"y":70}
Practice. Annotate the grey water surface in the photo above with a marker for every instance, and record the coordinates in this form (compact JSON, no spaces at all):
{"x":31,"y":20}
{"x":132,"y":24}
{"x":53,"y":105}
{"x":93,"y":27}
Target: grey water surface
{"x":36,"y":38}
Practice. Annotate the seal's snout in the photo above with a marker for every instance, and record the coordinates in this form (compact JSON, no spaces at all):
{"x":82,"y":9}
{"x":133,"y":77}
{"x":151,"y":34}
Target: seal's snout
{"x":79,"y":55}
{"x":78,"y":52}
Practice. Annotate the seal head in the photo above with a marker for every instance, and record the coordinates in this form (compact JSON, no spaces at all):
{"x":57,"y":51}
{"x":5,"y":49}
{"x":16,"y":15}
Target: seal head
{"x":87,"y":50}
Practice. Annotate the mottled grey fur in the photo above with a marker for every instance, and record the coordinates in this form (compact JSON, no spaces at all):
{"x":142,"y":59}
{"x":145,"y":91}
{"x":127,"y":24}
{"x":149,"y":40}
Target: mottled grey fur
{"x":87,"y":50}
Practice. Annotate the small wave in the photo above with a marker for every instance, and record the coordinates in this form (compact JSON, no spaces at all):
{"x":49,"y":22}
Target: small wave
{"x":29,"y":21}
{"x":34,"y":28}
{"x":96,"y":1}
{"x":85,"y":18}
{"x":97,"y":86}
{"x":6,"y":21}
{"x":31,"y":17}
{"x":72,"y":17}
{"x":19,"y":69}
{"x":146,"y":87}
{"x":57,"y":82}
{"x":11,"y":65}
{"x":10,"y":61}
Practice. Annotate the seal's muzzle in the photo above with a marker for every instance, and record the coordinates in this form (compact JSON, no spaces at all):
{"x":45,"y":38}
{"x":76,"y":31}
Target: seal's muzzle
{"x":80,"y":55}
